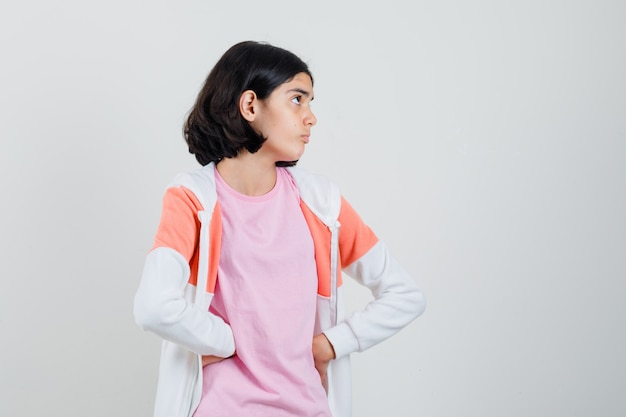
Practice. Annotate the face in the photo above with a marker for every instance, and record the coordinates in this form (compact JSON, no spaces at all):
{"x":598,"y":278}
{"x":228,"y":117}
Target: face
{"x":285,"y":118}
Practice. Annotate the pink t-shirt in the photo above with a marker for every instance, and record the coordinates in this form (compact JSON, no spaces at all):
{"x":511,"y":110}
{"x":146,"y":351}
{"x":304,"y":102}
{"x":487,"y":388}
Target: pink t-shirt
{"x":266,"y":290}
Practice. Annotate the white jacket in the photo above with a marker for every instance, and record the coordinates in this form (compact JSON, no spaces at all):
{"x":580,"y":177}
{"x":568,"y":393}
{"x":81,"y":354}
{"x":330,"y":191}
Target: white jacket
{"x":169,"y":304}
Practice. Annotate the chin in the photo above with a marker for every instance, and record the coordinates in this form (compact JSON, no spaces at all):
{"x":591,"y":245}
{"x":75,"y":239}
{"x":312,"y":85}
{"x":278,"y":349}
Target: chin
{"x":294,"y":156}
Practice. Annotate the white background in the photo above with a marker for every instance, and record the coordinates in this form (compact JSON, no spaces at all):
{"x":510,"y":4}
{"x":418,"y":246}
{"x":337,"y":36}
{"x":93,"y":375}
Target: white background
{"x":484,"y":142}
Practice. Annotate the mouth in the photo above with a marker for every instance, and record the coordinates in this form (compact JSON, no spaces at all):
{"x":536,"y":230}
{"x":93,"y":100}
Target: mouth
{"x":305,"y":138}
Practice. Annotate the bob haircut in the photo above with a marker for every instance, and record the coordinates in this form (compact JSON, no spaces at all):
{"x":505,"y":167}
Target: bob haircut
{"x":215,"y":129}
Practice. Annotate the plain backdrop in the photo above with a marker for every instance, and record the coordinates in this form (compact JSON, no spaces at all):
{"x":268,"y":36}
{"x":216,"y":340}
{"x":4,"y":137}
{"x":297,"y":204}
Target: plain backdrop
{"x":484,"y":142}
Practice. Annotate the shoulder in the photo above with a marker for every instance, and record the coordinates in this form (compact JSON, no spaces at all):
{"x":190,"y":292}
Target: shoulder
{"x":201,"y":182}
{"x":318,"y":192}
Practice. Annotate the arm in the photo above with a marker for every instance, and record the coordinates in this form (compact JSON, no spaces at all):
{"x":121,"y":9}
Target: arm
{"x":160,"y":303}
{"x":160,"y":307}
{"x":397,"y":299}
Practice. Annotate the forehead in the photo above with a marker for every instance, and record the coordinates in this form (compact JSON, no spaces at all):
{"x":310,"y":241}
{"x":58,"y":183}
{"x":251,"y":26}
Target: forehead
{"x":301,"y":82}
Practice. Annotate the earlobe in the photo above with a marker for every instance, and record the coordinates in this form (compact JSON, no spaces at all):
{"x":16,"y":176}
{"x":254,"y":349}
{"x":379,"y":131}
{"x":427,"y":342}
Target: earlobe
{"x":247,"y":103}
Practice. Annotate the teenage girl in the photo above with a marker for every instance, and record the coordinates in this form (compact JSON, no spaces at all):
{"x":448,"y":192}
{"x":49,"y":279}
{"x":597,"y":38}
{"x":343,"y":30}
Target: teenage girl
{"x":244,"y":281}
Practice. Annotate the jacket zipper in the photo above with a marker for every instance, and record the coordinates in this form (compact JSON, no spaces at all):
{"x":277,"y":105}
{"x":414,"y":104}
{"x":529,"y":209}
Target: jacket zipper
{"x":334,"y":263}
{"x":203,"y":263}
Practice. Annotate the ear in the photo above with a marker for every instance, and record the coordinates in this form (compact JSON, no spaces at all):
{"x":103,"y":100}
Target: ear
{"x":247,"y":105}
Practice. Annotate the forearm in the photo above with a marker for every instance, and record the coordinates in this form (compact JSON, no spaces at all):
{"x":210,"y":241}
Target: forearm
{"x":397,"y":301}
{"x":161,"y":307}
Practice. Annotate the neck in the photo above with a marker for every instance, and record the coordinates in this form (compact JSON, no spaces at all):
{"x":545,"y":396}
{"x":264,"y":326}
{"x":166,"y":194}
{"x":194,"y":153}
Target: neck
{"x":248,"y":174}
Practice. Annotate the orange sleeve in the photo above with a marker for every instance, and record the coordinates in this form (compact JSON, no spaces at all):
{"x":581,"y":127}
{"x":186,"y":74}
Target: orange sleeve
{"x":355,"y":237}
{"x":179,"y":226}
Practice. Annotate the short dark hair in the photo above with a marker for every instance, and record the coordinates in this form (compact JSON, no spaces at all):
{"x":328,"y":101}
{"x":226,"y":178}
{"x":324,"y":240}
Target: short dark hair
{"x":215,"y":128}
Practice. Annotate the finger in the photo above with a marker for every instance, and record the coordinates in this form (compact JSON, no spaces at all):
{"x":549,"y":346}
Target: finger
{"x":209,"y":359}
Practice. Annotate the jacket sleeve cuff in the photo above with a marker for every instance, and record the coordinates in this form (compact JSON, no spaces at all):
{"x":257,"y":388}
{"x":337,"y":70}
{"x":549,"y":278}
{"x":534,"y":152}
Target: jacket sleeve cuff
{"x":226,"y":345}
{"x":343,"y":339}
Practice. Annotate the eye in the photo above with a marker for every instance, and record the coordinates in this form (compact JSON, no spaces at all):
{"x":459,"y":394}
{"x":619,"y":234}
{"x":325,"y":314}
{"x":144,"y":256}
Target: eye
{"x":296,"y":99}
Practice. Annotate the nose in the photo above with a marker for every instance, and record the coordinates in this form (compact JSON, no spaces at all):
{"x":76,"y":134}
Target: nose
{"x":310,"y":119}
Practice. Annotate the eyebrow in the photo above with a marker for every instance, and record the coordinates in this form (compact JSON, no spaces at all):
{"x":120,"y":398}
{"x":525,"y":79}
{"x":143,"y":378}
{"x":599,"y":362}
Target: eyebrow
{"x":301,"y":91}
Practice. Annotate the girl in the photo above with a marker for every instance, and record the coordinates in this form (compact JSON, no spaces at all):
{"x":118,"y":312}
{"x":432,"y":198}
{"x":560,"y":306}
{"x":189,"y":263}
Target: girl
{"x":244,"y":280}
